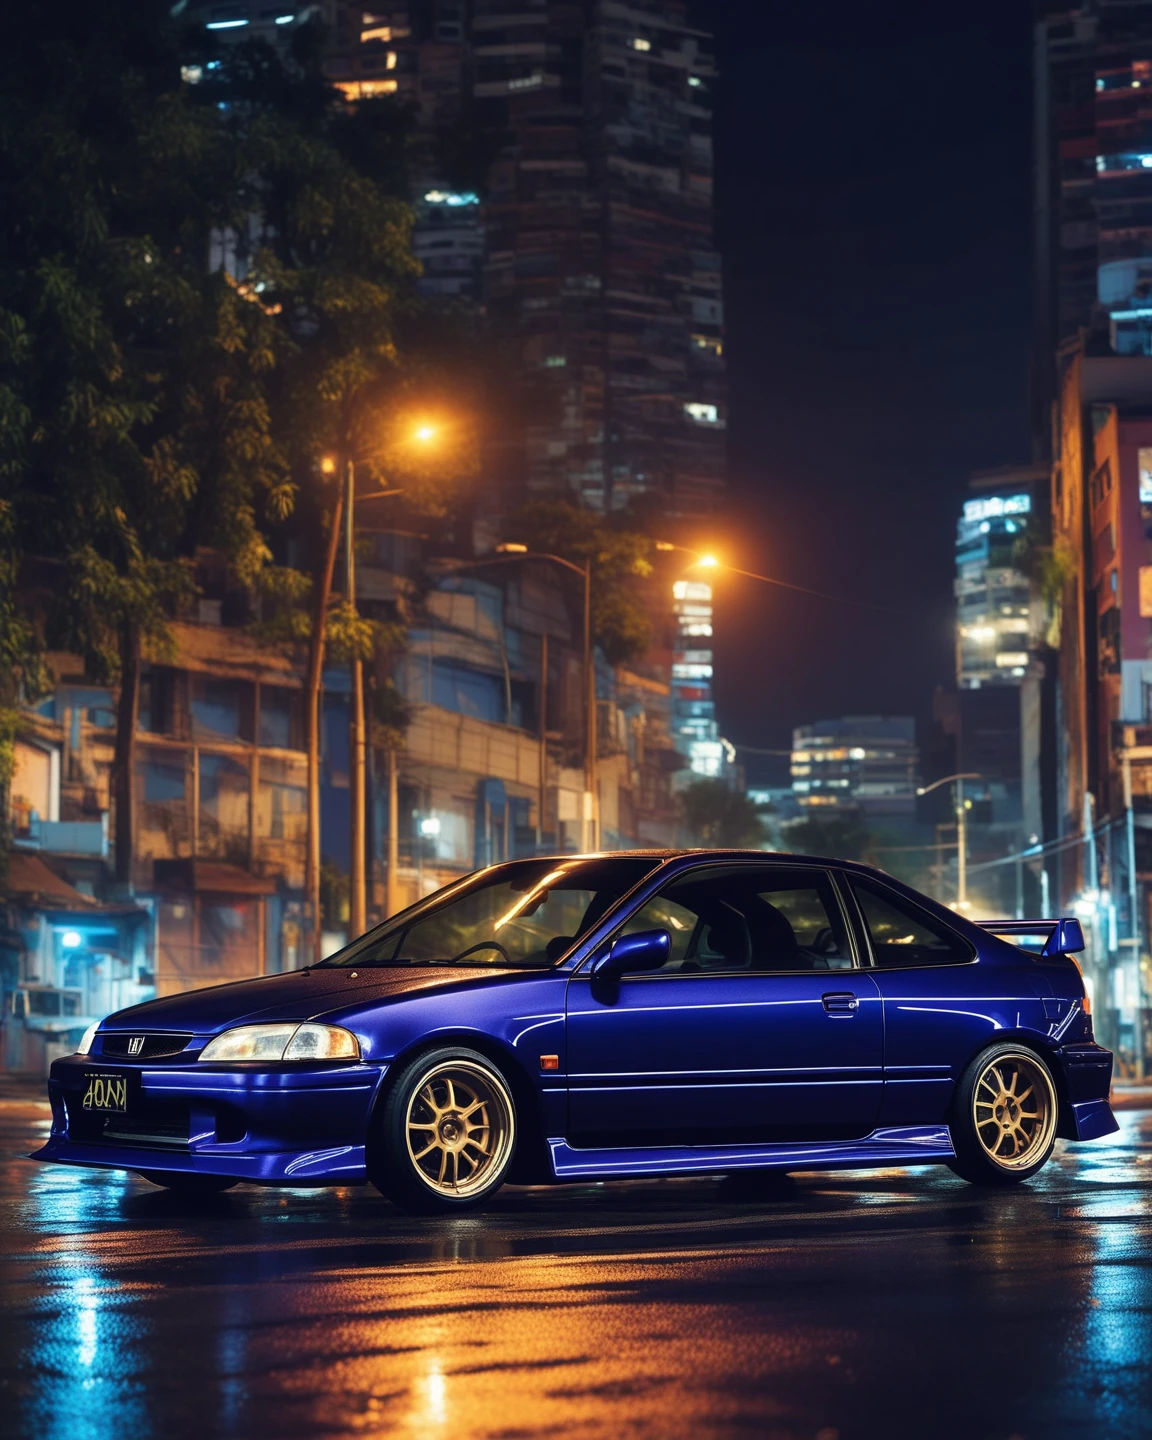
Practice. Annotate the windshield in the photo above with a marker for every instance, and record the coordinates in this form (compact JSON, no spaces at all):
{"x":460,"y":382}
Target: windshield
{"x":528,"y":913}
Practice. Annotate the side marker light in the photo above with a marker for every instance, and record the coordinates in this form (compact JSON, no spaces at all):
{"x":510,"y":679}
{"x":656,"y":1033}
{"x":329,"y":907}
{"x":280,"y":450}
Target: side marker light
{"x":549,"y":1062}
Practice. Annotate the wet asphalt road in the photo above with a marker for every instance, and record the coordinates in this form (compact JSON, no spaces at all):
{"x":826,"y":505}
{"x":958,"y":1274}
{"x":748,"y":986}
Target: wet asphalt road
{"x":883,"y":1303}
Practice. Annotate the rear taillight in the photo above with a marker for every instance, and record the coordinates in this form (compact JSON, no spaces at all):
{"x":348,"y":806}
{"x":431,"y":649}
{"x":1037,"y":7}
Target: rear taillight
{"x":1086,"y":1005}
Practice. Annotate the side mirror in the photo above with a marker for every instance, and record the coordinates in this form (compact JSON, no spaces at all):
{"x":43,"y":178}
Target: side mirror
{"x":647,"y":950}
{"x":1066,"y":939}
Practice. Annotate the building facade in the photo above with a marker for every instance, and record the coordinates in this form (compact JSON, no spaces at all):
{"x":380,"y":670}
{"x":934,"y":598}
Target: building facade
{"x":861,"y":764}
{"x":1093,"y":182}
{"x":1102,"y":526}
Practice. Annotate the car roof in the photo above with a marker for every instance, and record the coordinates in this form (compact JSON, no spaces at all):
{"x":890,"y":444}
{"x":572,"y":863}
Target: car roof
{"x":771,"y":857}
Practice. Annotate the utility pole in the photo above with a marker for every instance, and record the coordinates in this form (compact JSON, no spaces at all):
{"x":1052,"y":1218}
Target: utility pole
{"x":962,"y":846}
{"x":358,"y":909}
{"x":543,"y":708}
{"x":1135,"y":928}
{"x":392,"y":877}
{"x":961,"y":829}
{"x":591,"y":783}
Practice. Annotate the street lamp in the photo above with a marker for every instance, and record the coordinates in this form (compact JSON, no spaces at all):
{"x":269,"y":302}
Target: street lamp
{"x":711,"y":562}
{"x":961,"y":829}
{"x":513,"y":551}
{"x":425,"y":433}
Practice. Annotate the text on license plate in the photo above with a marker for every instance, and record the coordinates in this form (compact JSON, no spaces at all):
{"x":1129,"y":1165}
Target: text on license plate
{"x":106,"y":1092}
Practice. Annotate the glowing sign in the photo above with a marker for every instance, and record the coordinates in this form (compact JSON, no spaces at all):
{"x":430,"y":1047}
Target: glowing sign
{"x":996,"y":506}
{"x":451,"y":198}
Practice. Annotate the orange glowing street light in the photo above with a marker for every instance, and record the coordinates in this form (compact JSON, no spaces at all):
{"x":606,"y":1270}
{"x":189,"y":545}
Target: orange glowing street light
{"x":425,"y":433}
{"x":712,"y":562}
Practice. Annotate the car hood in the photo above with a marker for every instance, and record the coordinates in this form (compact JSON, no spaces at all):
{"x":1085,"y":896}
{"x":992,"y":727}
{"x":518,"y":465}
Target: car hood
{"x":298,"y":995}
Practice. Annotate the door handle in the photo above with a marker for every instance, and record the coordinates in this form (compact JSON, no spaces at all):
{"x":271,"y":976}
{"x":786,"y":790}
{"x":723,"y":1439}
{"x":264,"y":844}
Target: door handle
{"x":840,"y":1002}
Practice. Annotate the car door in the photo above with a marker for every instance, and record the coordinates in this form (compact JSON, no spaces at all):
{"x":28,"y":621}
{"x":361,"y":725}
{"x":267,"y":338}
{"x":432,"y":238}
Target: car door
{"x":761,"y":1026}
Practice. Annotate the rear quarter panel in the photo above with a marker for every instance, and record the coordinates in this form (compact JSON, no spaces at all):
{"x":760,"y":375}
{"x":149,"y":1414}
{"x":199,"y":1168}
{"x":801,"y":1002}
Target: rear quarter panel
{"x":937,"y":1018}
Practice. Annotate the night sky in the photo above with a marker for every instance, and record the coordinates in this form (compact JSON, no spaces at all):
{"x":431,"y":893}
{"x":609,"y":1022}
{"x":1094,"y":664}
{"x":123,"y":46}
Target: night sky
{"x":873,"y":195}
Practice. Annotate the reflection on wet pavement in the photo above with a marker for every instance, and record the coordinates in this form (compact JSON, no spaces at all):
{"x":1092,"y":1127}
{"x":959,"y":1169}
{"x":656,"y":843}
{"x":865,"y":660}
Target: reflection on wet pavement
{"x":891,"y":1302}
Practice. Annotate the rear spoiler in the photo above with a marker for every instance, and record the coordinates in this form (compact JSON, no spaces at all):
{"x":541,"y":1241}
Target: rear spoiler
{"x":1064,"y":937}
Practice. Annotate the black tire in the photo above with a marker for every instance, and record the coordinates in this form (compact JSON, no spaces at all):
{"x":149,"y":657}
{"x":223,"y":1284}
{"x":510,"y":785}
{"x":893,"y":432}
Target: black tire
{"x":997,"y":1140}
{"x":182,"y":1182}
{"x":465,"y":1160}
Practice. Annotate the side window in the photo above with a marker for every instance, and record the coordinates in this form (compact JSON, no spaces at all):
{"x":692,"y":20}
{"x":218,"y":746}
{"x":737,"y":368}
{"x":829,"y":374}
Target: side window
{"x":902,"y":934}
{"x":748,"y":918}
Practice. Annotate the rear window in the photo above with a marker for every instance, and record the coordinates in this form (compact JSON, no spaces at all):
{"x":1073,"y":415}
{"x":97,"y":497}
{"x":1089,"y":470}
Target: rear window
{"x":904,"y":936}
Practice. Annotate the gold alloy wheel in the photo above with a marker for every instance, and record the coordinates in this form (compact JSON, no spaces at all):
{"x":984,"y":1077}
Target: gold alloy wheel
{"x":1014,"y":1111}
{"x":459,"y":1127}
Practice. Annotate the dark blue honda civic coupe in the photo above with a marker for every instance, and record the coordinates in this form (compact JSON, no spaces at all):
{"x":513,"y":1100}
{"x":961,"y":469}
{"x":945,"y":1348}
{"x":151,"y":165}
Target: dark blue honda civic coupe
{"x":647,"y":1013}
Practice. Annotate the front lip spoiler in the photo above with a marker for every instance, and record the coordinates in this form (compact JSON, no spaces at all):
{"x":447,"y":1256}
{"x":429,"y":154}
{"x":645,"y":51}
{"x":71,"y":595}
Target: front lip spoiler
{"x":336,"y":1165}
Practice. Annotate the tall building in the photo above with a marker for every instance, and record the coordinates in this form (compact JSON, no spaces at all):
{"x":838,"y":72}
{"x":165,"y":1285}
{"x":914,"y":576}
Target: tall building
{"x":997,"y":617}
{"x":865,"y":764}
{"x":1093,"y":182}
{"x":695,"y":731}
{"x":1102,"y":523}
{"x":599,"y":250}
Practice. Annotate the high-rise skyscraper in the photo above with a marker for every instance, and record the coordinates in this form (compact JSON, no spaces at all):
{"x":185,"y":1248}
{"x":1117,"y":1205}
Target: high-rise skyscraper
{"x":1093,"y":182}
{"x":997,"y":615}
{"x":599,"y":252}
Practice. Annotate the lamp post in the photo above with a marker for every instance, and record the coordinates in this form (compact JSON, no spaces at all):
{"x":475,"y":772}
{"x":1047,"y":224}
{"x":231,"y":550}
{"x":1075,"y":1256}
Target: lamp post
{"x":515,"y":552}
{"x":358,"y":908}
{"x":357,"y":737}
{"x":961,"y":829}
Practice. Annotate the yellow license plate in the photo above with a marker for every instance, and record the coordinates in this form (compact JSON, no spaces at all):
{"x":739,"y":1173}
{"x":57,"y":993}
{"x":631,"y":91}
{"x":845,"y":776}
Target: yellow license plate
{"x":108,"y":1093}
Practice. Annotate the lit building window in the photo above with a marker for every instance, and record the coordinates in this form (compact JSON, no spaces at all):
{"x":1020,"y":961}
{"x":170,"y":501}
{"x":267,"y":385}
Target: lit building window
{"x":451,"y":198}
{"x":702,"y":413}
{"x":1144,"y":460}
{"x":641,"y":44}
{"x":691,"y":590}
{"x":365,"y":89}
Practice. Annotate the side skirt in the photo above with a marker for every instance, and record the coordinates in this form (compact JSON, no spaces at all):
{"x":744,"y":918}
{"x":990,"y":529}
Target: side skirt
{"x":894,"y":1144}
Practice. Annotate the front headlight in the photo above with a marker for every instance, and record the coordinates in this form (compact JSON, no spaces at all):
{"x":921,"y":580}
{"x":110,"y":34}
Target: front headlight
{"x":309,"y":1041}
{"x":86,"y":1039}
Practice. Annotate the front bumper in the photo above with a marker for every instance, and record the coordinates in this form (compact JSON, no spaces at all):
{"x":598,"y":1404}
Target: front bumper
{"x":279,"y":1125}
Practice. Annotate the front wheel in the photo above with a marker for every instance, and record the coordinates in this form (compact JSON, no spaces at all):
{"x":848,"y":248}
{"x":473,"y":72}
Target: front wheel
{"x":447,"y":1134}
{"x":1004,"y":1118}
{"x":181,"y":1182}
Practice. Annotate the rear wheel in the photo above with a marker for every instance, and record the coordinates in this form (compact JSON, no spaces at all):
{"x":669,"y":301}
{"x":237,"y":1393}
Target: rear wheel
{"x":447,"y":1134}
{"x":1004,"y":1120}
{"x":184,"y":1183}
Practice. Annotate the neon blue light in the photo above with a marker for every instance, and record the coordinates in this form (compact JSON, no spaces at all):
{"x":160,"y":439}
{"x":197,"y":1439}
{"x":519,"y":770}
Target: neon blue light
{"x":285,"y":19}
{"x":225,"y":24}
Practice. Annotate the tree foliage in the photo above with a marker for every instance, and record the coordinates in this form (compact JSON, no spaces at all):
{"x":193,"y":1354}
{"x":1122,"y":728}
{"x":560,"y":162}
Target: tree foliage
{"x":621,"y":561}
{"x":720,"y":818}
{"x":839,"y":838}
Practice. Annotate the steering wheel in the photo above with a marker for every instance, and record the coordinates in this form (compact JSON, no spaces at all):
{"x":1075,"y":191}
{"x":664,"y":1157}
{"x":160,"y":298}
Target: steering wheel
{"x":483,"y":945}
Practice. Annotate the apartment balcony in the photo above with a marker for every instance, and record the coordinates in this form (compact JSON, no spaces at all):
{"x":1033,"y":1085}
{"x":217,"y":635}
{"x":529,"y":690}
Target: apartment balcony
{"x":87,"y":838}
